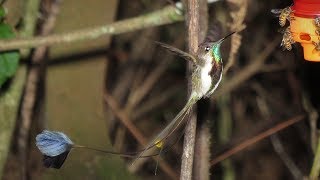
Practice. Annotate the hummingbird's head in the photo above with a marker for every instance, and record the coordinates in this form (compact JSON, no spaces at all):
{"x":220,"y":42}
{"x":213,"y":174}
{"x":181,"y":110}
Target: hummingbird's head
{"x":211,"y":50}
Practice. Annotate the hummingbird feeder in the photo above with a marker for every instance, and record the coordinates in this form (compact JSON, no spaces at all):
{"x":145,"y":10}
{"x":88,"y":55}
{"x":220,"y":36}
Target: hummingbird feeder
{"x":305,"y":27}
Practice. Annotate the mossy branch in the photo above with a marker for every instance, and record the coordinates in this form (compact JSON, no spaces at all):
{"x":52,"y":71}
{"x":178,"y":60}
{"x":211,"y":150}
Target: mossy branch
{"x":167,"y":15}
{"x":8,"y":113}
{"x":9,"y":100}
{"x":315,"y":170}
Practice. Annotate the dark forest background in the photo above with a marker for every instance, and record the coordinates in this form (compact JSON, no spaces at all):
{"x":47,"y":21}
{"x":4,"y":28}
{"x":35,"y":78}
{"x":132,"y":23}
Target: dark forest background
{"x":64,"y":86}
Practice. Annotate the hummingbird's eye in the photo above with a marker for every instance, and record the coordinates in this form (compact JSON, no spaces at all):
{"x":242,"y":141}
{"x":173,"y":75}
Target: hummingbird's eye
{"x":207,"y":48}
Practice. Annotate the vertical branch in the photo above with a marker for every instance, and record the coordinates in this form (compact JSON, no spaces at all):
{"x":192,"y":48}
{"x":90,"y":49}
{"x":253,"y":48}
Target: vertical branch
{"x":30,"y":20}
{"x":193,"y":26}
{"x":31,"y":88}
{"x":202,"y":154}
{"x":9,"y":103}
{"x":15,"y":92}
{"x":201,"y":168}
{"x":315,"y":170}
{"x":225,"y":132}
{"x":313,"y":116}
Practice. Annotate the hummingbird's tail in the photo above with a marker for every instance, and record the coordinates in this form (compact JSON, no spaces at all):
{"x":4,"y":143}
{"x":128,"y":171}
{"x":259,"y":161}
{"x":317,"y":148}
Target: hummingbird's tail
{"x":160,"y":140}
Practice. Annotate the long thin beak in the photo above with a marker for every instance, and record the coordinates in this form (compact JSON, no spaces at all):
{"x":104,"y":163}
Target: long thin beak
{"x":222,"y":39}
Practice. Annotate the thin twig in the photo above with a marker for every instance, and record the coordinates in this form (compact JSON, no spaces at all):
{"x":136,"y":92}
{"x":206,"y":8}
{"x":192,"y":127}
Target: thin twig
{"x":257,"y":138}
{"x":120,"y":92}
{"x":125,"y":84}
{"x":271,"y":68}
{"x":145,"y":85}
{"x":136,"y":95}
{"x":277,"y":144}
{"x":123,"y":117}
{"x":313,"y":116}
{"x":149,"y":82}
{"x":155,"y":102}
{"x":142,"y":83}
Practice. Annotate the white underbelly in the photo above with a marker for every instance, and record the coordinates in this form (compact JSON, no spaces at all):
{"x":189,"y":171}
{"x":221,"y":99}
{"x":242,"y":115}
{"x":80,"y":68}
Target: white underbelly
{"x":205,"y":80}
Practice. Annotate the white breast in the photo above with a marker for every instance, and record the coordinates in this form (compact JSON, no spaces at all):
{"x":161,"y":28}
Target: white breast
{"x":205,"y":78}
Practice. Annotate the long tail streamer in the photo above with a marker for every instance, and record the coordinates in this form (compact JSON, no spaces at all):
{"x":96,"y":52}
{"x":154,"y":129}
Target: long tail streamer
{"x":160,"y":139}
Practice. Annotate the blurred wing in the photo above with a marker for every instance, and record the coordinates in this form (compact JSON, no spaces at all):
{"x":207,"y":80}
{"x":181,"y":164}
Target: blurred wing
{"x":179,"y":52}
{"x":214,"y":32}
{"x":276,"y":12}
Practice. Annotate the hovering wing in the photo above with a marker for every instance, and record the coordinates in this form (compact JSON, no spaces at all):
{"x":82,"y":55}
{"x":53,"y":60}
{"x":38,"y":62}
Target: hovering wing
{"x":179,"y":52}
{"x":276,"y":12}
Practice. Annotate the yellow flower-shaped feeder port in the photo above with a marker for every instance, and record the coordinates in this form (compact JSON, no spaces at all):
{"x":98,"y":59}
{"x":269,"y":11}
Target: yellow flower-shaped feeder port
{"x":305,"y":27}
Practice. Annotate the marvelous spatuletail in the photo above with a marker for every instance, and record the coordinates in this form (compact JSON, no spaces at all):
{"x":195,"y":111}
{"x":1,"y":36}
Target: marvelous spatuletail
{"x":206,"y":76}
{"x":55,"y":147}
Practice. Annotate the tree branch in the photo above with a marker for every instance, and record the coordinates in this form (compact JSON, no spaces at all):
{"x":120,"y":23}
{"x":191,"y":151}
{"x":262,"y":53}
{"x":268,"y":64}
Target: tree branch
{"x":14,"y":94}
{"x":256,"y":65}
{"x":257,"y":138}
{"x":201,"y":165}
{"x":193,"y":26}
{"x":167,"y":15}
{"x":315,"y":170}
{"x":9,"y":103}
{"x":124,"y":119}
{"x":31,"y":88}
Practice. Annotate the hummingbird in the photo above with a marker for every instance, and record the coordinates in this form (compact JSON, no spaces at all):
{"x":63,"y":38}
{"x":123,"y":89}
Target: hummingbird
{"x":206,"y":77}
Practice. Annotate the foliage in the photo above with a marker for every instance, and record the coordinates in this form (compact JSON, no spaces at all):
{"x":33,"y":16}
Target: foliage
{"x":8,"y":60}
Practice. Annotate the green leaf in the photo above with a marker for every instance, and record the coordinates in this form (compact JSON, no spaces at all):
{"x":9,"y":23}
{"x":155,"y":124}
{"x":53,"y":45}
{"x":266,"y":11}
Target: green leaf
{"x":2,"y":12}
{"x":6,"y":31}
{"x":9,"y":61}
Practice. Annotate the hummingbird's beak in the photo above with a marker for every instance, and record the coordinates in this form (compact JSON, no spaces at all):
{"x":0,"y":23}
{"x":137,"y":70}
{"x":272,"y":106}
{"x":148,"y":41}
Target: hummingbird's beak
{"x":222,"y":39}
